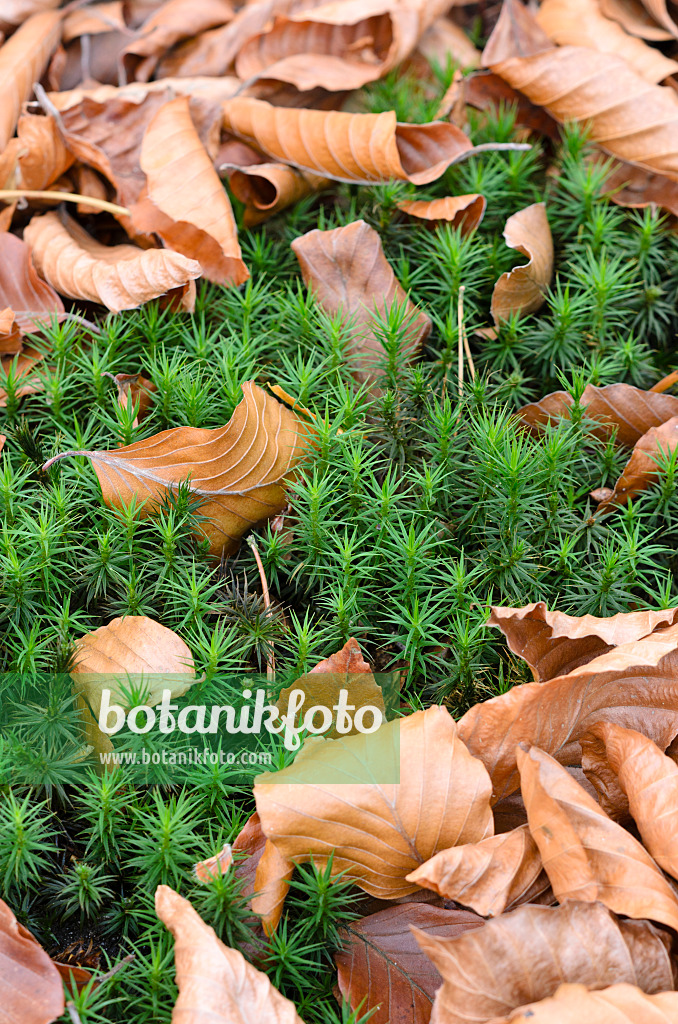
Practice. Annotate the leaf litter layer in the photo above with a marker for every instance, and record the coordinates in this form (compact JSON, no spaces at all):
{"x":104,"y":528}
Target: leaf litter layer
{"x":335,"y":352}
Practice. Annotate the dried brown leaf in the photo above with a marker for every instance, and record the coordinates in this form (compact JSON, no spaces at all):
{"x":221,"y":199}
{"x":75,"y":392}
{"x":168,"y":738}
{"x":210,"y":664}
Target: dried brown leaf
{"x":627,"y":116}
{"x":632,"y":16}
{"x":15,"y":12}
{"x":137,"y":388}
{"x":618,"y":1004}
{"x":94,"y":19}
{"x":581,"y":23}
{"x":174,"y":21}
{"x":267,"y":188}
{"x":239,"y":470}
{"x":271,"y":883}
{"x":635,"y":685}
{"x":632,"y":186}
{"x":463,"y":212}
{"x":30,"y":985}
{"x":349,"y":274}
{"x":216,"y":984}
{"x":380,"y":833}
{"x":118,"y":276}
{"x":644,"y":466}
{"x":20,"y":366}
{"x":523,"y":956}
{"x":587,"y":856}
{"x":486,"y":91}
{"x":631,"y":410}
{"x":32,"y":301}
{"x":658,"y":10}
{"x":42,"y":156}
{"x":250,"y":841}
{"x":206,"y":870}
{"x":23,"y":59}
{"x":491,"y":876}
{"x":348,"y":147}
{"x":522,"y":290}
{"x":185,"y":202}
{"x":213,"y":90}
{"x":381,"y":961}
{"x":649,"y":779}
{"x":553,"y":643}
{"x":445,"y":38}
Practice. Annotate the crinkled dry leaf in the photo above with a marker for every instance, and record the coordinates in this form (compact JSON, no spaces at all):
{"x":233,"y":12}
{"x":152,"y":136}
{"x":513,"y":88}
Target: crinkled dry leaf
{"x":214,"y":90}
{"x":380,"y":833}
{"x":644,"y":466}
{"x":635,"y":685}
{"x":30,"y":985}
{"x":23,"y":59}
{"x":632,"y":16}
{"x":627,"y":116}
{"x":463,"y":212}
{"x":619,"y":1004}
{"x":523,"y":956}
{"x":581,"y":23}
{"x":522,"y":290}
{"x":32,"y":301}
{"x":345,"y":670}
{"x":42,"y":156}
{"x":267,"y":188}
{"x":348,"y":147}
{"x":553,"y":643}
{"x":631,"y":410}
{"x":491,"y":876}
{"x":339,"y":45}
{"x":239,"y":470}
{"x":649,"y":779}
{"x":587,"y":856}
{"x":174,"y":21}
{"x":117,"y":276}
{"x":216,"y":984}
{"x":185,"y":202}
{"x":271,"y":883}
{"x":349,"y":274}
{"x":381,"y":961}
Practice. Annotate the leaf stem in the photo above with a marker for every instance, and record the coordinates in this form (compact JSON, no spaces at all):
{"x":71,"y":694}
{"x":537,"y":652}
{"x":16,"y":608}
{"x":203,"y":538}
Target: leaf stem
{"x":270,"y":661}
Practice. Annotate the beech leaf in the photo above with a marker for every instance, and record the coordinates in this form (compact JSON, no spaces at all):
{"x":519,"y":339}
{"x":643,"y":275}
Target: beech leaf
{"x":637,"y":21}
{"x":463,"y":212}
{"x":30,"y":985}
{"x":586,"y":855}
{"x":381,"y":961}
{"x":380,"y":833}
{"x":349,"y":274}
{"x":618,"y":1004}
{"x":239,"y":470}
{"x":23,"y":59}
{"x":117,"y":276}
{"x":216,"y":984}
{"x":491,"y":876}
{"x":644,"y":466}
{"x":271,"y":883}
{"x":522,"y":290}
{"x":32,"y":301}
{"x":267,"y":188}
{"x":173,"y":21}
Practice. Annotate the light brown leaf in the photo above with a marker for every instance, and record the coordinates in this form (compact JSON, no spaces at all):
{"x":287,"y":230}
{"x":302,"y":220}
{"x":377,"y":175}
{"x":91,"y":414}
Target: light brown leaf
{"x":214,"y":90}
{"x":632,"y":186}
{"x":174,"y":21}
{"x":30,"y":985}
{"x":659,"y":11}
{"x":339,"y":45}
{"x":239,"y":470}
{"x":644,"y":466}
{"x":553,"y":643}
{"x":251,"y":842}
{"x":522,"y":290}
{"x":42,"y":155}
{"x":523,"y":956}
{"x":137,"y":388}
{"x":349,"y":274}
{"x":632,"y":16}
{"x":206,"y":870}
{"x":635,"y":685}
{"x":631,"y":410}
{"x":463,"y":212}
{"x":271,"y":883}
{"x":23,"y":59}
{"x":267,"y":188}
{"x":32,"y":301}
{"x":446,"y":39}
{"x":587,"y":856}
{"x":491,"y":876}
{"x":195,"y":220}
{"x":348,"y":147}
{"x":581,"y":23}
{"x":216,"y":984}
{"x":618,"y":1004}
{"x":649,"y":780}
{"x":118,"y":276}
{"x":94,"y":19}
{"x":380,"y":961}
{"x":380,"y":833}
{"x":627,"y":116}
{"x":15,"y":12}
{"x":487,"y":92}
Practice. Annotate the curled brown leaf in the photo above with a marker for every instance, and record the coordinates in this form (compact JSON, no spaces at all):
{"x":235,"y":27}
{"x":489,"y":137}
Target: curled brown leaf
{"x":618,"y":1004}
{"x":463,"y":212}
{"x":644,"y":466}
{"x":23,"y":59}
{"x":522,"y":290}
{"x":30,"y":985}
{"x":31,"y":300}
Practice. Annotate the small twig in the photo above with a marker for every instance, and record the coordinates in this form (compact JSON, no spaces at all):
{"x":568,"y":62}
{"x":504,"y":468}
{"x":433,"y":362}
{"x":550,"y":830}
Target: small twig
{"x":73,"y":1013}
{"x":666,"y":382}
{"x":48,"y":107}
{"x":460,"y":340}
{"x":116,"y":967}
{"x":66,"y":197}
{"x":270,"y":661}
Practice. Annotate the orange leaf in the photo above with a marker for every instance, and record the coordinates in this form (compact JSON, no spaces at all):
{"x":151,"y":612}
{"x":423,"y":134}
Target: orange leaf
{"x":43,"y":156}
{"x":173,"y":21}
{"x":206,"y":870}
{"x":618,"y":1004}
{"x":118,"y":276}
{"x":463,"y":212}
{"x":266,"y":188}
{"x":587,"y":856}
{"x":644,"y":466}
{"x":349,"y":275}
{"x":522,"y":290}
{"x":30,"y":985}
{"x":444,"y":38}
{"x":15,"y":12}
{"x":271,"y":882}
{"x":632,"y":16}
{"x":23,"y":59}
{"x":635,"y":187}
{"x":215,"y":982}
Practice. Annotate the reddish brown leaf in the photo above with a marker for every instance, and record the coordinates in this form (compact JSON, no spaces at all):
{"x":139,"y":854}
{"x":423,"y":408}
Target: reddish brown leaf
{"x":137,"y":388}
{"x":635,"y":685}
{"x":487,"y":91}
{"x":522,"y":290}
{"x":381,"y":961}
{"x":349,"y":274}
{"x":587,"y":856}
{"x":19,"y":367}
{"x":644,"y":466}
{"x":631,"y":410}
{"x":463,"y":212}
{"x":30,"y":985}
{"x":446,"y":39}
{"x":553,"y":643}
{"x":250,"y":841}
{"x":523,"y":956}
